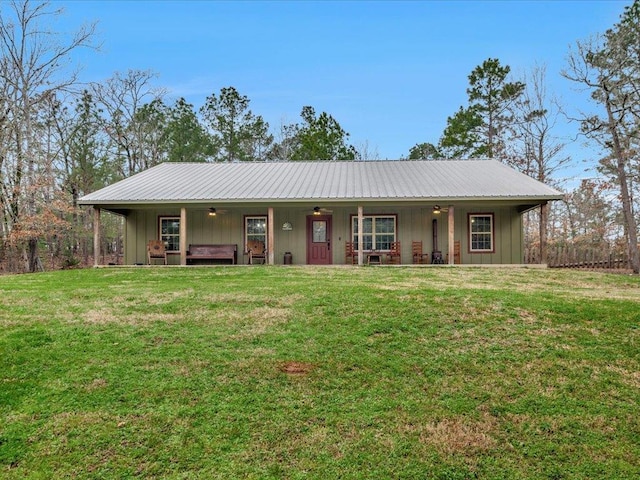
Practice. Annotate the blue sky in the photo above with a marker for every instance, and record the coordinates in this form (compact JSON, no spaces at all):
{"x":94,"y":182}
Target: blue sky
{"x":389,"y":72}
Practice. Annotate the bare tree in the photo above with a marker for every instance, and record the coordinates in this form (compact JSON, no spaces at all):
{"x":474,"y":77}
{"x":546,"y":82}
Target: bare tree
{"x":34,"y":67}
{"x":80,"y":164}
{"x":364,"y":151}
{"x":609,"y":68}
{"x":127,"y":101}
{"x":286,"y":142}
{"x":537,"y":150}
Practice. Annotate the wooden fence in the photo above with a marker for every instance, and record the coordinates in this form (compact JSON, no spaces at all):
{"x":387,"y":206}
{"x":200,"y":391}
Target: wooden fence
{"x":575,"y":257}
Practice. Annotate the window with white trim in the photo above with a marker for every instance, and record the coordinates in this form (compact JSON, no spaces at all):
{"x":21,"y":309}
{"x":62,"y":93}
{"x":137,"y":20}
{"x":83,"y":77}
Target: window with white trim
{"x":481,"y":232}
{"x":255,"y":228}
{"x":378,"y":232}
{"x":169,"y":233}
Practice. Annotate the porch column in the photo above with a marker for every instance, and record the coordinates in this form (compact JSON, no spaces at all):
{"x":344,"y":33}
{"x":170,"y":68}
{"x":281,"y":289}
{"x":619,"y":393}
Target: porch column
{"x":451,"y":219}
{"x":360,"y":226}
{"x":271,"y":254}
{"x":183,"y":236}
{"x":96,"y":236}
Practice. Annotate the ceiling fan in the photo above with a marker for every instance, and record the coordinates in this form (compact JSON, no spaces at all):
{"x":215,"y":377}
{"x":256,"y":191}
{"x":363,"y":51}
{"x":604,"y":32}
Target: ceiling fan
{"x":438,"y":209}
{"x":321,"y":210}
{"x":212,"y":211}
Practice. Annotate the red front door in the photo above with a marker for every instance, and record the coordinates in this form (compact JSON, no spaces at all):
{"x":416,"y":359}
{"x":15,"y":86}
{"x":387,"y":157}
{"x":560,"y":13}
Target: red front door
{"x":319,"y":240}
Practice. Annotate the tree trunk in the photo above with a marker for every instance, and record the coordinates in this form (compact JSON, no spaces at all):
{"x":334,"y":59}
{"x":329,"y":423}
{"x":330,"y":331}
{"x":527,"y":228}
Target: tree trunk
{"x":33,"y":261}
{"x":627,"y":210}
{"x":76,"y":222}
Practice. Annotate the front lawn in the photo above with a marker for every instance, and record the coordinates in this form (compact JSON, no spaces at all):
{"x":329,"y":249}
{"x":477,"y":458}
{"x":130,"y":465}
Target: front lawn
{"x":293,"y":372}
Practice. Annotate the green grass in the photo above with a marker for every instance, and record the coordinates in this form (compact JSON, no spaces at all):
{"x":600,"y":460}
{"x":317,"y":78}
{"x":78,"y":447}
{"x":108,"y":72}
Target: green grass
{"x":287,"y":372}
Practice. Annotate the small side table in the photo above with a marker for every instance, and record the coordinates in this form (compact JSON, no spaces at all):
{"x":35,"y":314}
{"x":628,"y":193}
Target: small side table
{"x":374,"y":258}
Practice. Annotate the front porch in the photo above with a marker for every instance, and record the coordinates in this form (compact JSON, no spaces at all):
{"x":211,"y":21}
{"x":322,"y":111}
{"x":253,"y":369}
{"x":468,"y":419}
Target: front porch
{"x":310,"y":235}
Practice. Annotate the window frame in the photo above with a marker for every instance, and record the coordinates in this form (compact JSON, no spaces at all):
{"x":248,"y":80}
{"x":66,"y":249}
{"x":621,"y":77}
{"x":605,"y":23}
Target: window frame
{"x":491,"y":233}
{"x":167,"y":244}
{"x":374,"y":234}
{"x":246,"y":235}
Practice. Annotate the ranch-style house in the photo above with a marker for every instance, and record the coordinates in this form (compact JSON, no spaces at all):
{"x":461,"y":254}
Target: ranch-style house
{"x":316,"y":212}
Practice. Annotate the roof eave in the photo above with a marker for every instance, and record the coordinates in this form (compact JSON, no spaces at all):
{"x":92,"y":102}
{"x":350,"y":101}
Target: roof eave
{"x":413,"y":200}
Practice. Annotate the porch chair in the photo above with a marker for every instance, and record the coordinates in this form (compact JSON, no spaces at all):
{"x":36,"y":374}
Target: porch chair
{"x":155,"y":250}
{"x":350,"y":253}
{"x":256,"y":251}
{"x":418,"y":256}
{"x":394,"y":253}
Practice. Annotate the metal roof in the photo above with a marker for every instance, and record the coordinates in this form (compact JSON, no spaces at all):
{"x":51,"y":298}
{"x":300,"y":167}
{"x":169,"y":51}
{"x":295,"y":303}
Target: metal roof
{"x":389,"y":180}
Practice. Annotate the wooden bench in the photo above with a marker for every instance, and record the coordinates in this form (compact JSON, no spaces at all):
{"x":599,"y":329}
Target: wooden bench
{"x":213,"y":252}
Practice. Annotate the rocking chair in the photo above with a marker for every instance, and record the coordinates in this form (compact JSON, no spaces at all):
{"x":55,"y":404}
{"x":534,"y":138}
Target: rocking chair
{"x":256,"y":251}
{"x":350,"y":255}
{"x":155,"y":250}
{"x":418,"y":256}
{"x":394,"y":253}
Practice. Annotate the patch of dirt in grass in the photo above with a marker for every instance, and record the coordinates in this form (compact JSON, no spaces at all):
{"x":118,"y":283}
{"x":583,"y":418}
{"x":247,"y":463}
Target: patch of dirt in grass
{"x":296,"y":368}
{"x":461,"y":435}
{"x":97,"y":384}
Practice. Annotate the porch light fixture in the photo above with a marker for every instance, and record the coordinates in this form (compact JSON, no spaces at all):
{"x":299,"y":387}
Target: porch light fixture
{"x":316,"y":210}
{"x":436,"y":209}
{"x":212,"y":212}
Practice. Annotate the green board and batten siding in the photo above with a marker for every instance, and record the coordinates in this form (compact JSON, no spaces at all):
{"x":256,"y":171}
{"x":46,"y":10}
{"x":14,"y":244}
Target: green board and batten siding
{"x":413,"y":223}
